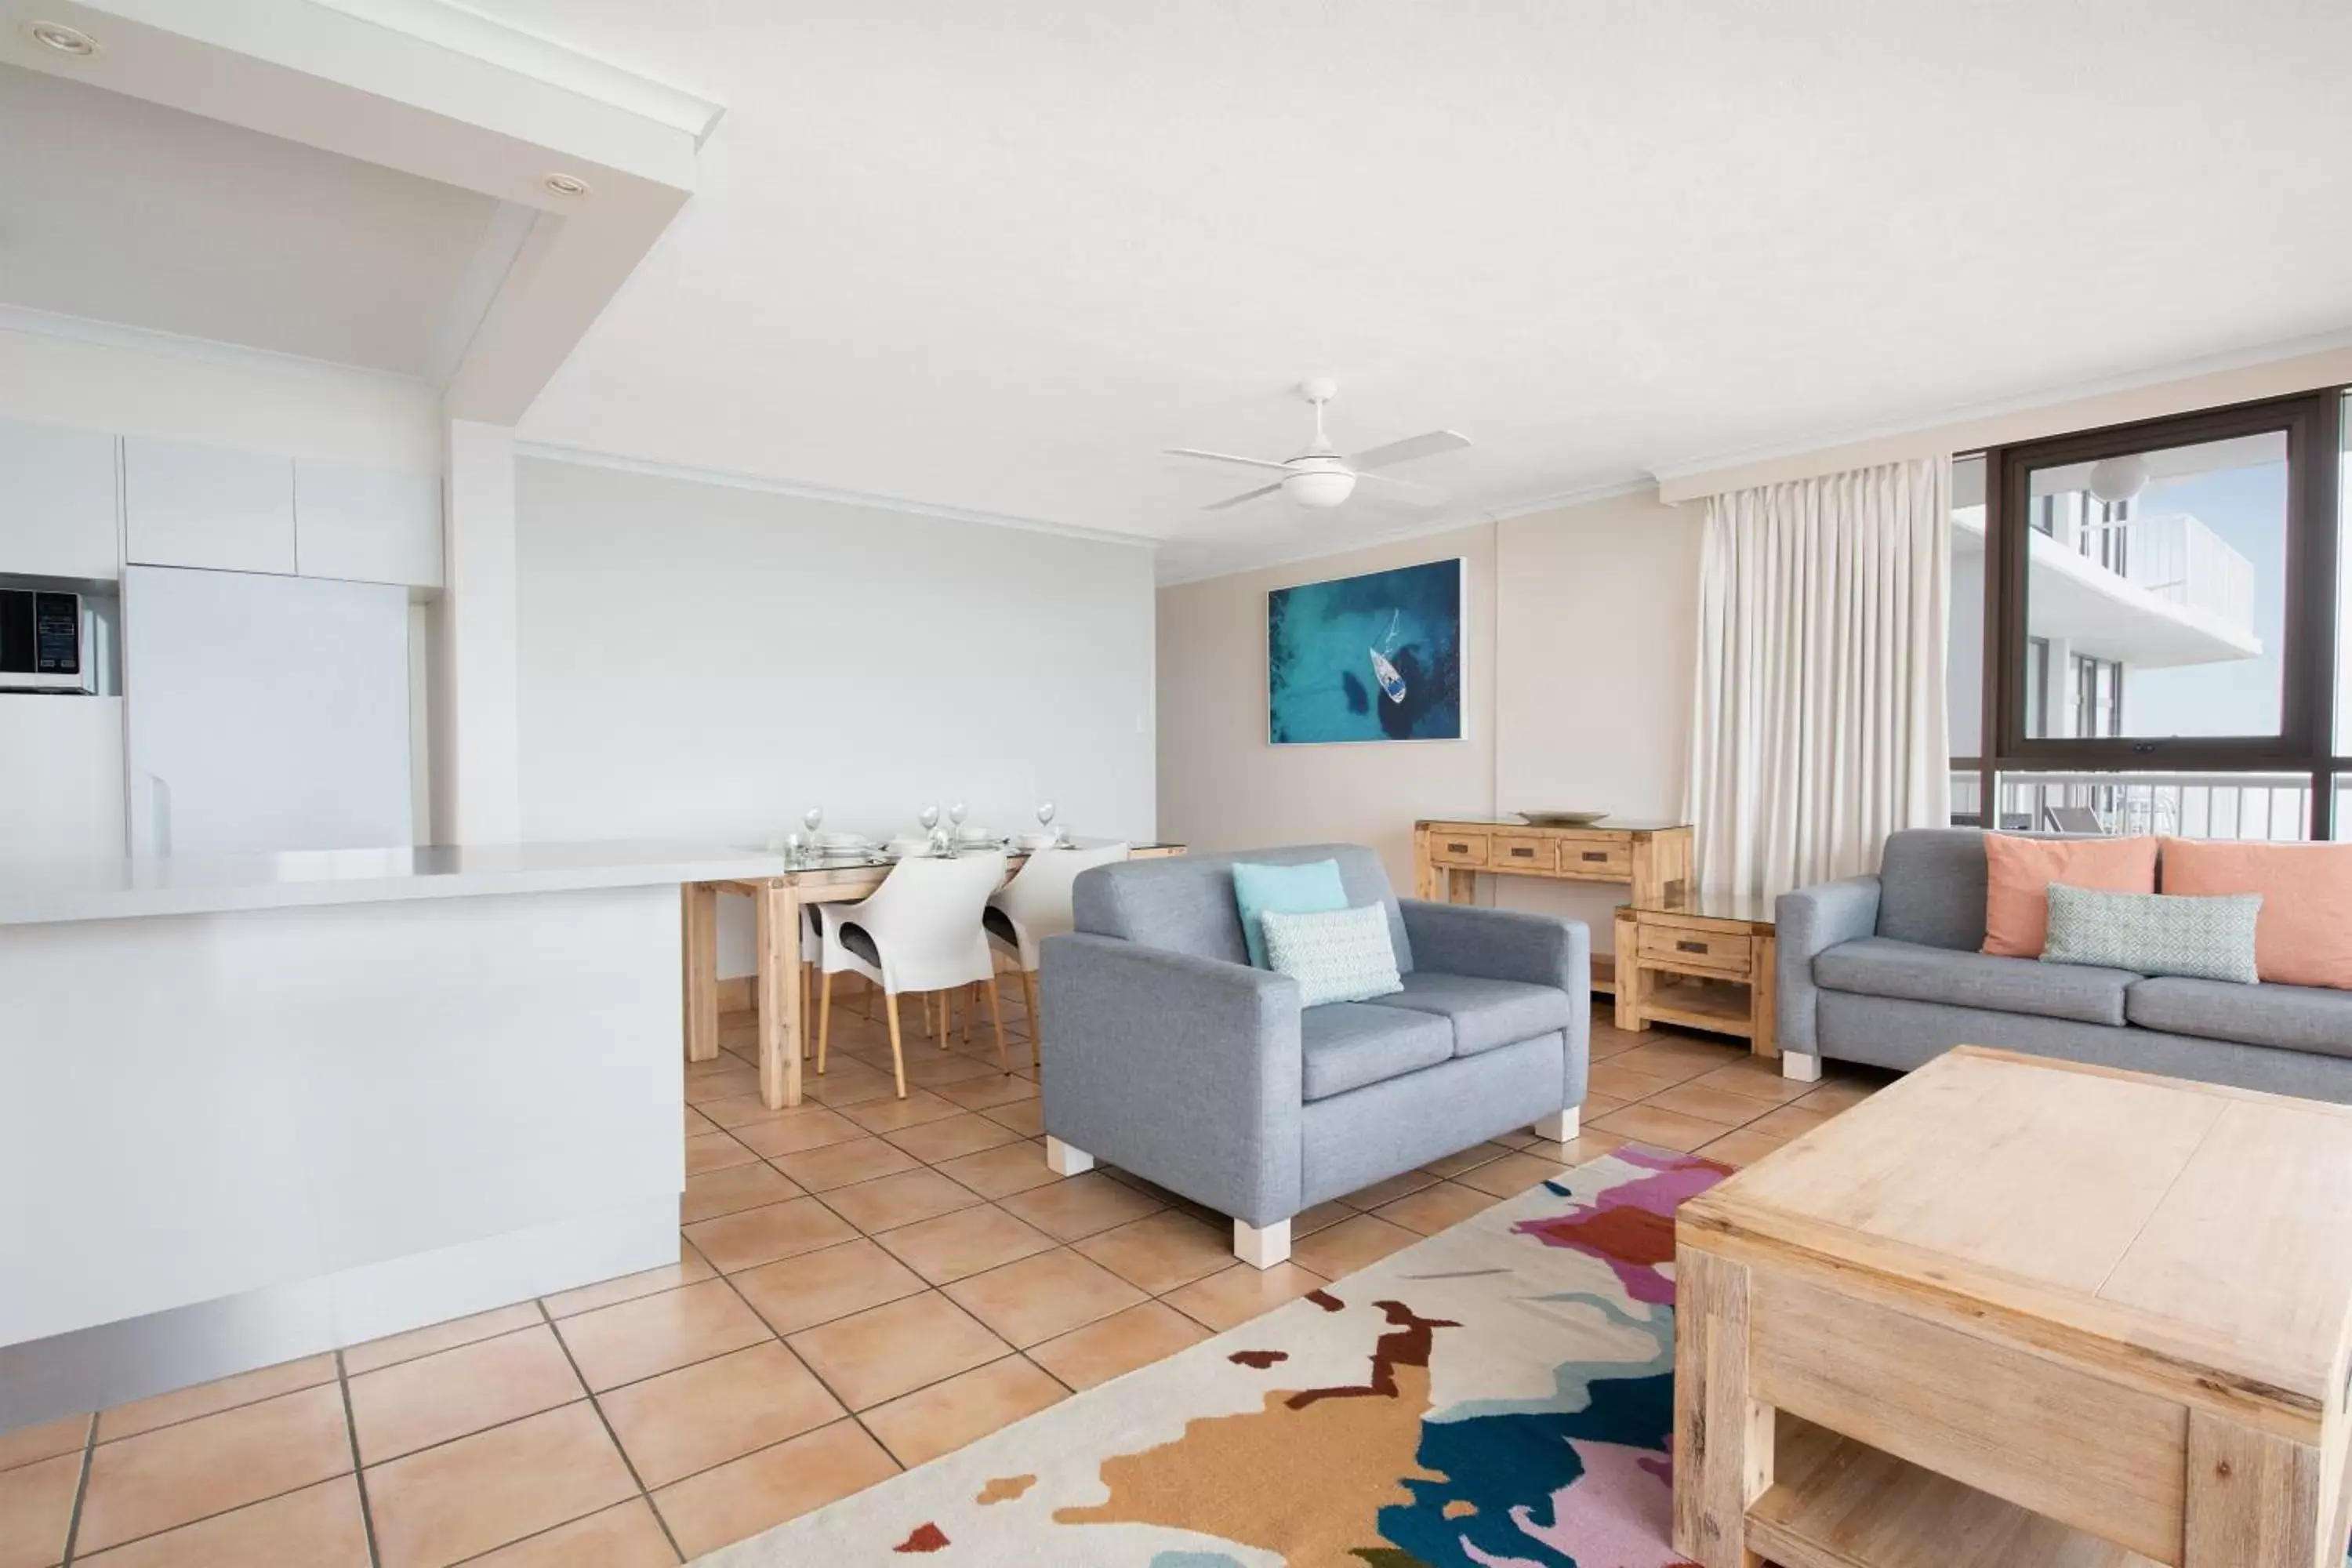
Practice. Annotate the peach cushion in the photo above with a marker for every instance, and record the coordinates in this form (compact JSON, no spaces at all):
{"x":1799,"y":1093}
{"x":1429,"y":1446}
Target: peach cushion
{"x":2304,"y":936}
{"x":2019,"y":871}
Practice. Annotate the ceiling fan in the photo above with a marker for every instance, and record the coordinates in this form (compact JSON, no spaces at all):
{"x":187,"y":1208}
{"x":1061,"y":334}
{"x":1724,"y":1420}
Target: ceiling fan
{"x":1319,"y":477}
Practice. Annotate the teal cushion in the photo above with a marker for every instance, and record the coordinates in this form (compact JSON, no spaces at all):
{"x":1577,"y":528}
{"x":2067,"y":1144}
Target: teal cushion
{"x":1339,"y":955}
{"x":2155,"y":933}
{"x":1310,"y":890}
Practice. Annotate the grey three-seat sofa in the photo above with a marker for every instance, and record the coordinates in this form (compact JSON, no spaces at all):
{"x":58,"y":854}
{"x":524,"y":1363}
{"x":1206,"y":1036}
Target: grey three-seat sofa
{"x":1886,"y":970}
{"x":1166,"y":1054}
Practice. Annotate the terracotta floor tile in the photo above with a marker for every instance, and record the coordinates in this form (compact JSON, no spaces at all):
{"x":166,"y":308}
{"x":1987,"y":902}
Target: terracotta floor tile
{"x":1028,"y":1302}
{"x":1118,"y":1344}
{"x":936,"y":1073}
{"x":952,"y":1136}
{"x":614,"y":1345}
{"x":885,"y":1351}
{"x":818,"y":1287}
{"x":1660,"y":1129}
{"x":1624,"y":1083}
{"x":1757,"y":1078}
{"x":1602,"y":1104}
{"x":1431,"y":1209}
{"x":436,"y":1337}
{"x":403,"y":1408}
{"x":1468,"y":1159}
{"x":1161,"y":1251}
{"x":1080,"y":1207}
{"x":35,"y":1507}
{"x":225,"y":1393}
{"x":763,"y":1234}
{"x":966,"y":1242}
{"x":698,"y":1123}
{"x":176,"y":1474}
{"x":714,"y":1411}
{"x":628,"y":1536}
{"x":1678,"y":1059}
{"x":762,"y":1490}
{"x":894,"y":1115}
{"x":1512,"y":1174}
{"x":845,"y":1083}
{"x":1838,"y":1094}
{"x":734,"y":1189}
{"x":1351,"y":1244}
{"x":451,"y":1502}
{"x":318,"y":1527}
{"x":1788,"y":1121}
{"x":980,"y":1093}
{"x":690,"y":1270}
{"x":814,"y":1130}
{"x":920,"y":1426}
{"x":707,"y":1151}
{"x":1306,"y":1222}
{"x":1389,"y":1191}
{"x":1716,"y":1105}
{"x":894,"y":1201}
{"x":723,"y":1084}
{"x":1026,"y":1117}
{"x":999,"y":1172}
{"x":1743,"y":1147}
{"x":1241,"y":1293}
{"x":46,"y":1441}
{"x":863,"y":1159}
{"x":743,"y":1109}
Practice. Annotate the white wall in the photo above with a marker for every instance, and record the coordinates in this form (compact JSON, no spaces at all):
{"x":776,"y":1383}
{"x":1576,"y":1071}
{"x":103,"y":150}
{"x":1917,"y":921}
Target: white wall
{"x":697,"y":659}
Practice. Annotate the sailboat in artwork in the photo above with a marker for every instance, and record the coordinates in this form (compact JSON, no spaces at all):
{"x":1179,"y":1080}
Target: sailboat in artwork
{"x":1391,"y":682}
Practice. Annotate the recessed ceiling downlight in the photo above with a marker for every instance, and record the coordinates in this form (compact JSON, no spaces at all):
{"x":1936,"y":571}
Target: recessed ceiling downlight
{"x":565,"y":186}
{"x":64,"y":40}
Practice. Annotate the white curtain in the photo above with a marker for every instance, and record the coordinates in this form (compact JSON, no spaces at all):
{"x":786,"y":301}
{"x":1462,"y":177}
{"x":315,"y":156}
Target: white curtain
{"x":1819,"y":724}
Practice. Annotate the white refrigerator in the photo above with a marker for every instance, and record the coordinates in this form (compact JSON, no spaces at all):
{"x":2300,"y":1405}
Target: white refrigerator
{"x":264,"y":712}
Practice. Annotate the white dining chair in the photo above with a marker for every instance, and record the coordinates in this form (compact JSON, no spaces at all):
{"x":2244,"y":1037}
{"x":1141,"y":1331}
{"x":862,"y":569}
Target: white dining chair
{"x":920,"y":930}
{"x":1035,"y":905}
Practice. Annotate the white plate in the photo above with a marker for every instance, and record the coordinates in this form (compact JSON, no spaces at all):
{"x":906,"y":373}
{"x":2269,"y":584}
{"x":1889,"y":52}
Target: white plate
{"x":843,"y":841}
{"x":1032,"y":841}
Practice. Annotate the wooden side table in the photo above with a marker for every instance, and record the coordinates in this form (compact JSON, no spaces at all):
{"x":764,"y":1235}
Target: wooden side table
{"x":1703,"y":961}
{"x":1652,"y":859}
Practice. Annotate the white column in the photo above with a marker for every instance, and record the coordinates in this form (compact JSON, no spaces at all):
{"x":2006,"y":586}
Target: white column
{"x":477,"y":793}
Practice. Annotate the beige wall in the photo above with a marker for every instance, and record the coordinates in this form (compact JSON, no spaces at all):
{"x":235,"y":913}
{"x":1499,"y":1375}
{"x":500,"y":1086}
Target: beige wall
{"x":1580,"y":634}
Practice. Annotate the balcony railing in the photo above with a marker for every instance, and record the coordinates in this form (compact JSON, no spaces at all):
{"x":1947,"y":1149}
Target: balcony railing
{"x":2180,"y":561}
{"x":2274,"y":807}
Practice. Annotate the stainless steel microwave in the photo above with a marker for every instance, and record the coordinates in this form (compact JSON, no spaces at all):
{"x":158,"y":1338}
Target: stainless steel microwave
{"x":41,"y":645}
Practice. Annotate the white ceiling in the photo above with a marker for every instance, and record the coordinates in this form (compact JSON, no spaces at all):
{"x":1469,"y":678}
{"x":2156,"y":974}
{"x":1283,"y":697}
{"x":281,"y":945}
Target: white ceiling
{"x":120,"y":210}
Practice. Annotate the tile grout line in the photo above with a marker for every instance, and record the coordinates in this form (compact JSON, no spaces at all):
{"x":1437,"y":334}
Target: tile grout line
{"x":81,"y":1490}
{"x":610,"y":1436}
{"x":359,"y":1471}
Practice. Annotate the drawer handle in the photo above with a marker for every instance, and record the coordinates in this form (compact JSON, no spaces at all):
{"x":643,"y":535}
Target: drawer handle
{"x":1594,"y":855}
{"x":1524,"y":854}
{"x":1457,"y":849}
{"x":1690,"y":947}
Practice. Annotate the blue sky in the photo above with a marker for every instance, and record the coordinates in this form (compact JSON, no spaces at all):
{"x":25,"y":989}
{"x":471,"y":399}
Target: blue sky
{"x":2247,"y":508}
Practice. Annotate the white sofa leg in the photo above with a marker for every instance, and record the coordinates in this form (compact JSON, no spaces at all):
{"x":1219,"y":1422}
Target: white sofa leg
{"x":1065,"y":1160}
{"x":1801,"y":1068}
{"x":1562,"y":1125}
{"x":1262,"y":1248}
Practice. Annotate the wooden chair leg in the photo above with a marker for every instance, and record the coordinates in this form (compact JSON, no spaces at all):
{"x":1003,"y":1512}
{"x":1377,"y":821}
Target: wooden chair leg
{"x":996,"y":1016}
{"x":868,"y":1002}
{"x":1029,"y":1000}
{"x":970,"y":998}
{"x":824,"y":1020}
{"x":897,"y":1054}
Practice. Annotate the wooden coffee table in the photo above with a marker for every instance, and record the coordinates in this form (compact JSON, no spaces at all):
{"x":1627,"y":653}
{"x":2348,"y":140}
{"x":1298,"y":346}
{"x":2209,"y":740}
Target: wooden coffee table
{"x":2010,"y":1311}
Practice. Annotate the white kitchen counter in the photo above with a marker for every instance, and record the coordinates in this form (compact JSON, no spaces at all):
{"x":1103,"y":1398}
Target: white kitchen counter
{"x":42,"y":892}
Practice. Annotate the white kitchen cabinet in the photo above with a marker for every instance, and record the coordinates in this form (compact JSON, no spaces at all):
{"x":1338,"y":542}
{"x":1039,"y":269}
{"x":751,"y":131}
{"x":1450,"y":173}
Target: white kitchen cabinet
{"x":212,"y":507}
{"x":57,"y":503}
{"x":367,"y":525}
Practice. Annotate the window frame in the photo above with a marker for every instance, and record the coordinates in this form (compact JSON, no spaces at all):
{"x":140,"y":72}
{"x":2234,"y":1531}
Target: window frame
{"x":2305,"y":742}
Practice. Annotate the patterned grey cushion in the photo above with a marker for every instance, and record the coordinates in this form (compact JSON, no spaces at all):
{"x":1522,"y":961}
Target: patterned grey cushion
{"x":1339,"y":955}
{"x":2154,"y":934}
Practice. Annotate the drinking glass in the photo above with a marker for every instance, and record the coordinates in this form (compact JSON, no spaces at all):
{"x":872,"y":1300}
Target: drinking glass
{"x":1045,"y":820}
{"x":928,"y":817}
{"x":811,"y":817}
{"x":956,"y":814}
{"x":791,"y":848}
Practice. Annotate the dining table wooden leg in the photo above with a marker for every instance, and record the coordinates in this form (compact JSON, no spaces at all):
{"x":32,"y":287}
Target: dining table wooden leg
{"x":698,"y":940}
{"x":777,"y":924}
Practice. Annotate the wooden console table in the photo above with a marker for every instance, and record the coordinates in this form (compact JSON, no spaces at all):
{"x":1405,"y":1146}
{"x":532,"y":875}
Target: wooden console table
{"x":1701,"y":961}
{"x":1653,"y":859}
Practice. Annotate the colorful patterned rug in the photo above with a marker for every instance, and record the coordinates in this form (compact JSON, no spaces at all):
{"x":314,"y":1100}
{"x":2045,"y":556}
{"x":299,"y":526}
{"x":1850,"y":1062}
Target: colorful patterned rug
{"x":1500,"y":1394}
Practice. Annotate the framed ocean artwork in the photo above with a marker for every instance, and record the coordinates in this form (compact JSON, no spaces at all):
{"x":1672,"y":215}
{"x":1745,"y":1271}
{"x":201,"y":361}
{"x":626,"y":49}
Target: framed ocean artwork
{"x":1375,"y":657}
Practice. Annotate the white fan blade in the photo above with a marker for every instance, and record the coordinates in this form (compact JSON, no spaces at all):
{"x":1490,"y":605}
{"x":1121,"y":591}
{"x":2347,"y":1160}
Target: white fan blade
{"x":1226,"y":458}
{"x":1426,"y":494}
{"x":1245,"y":495}
{"x":1411,"y":448}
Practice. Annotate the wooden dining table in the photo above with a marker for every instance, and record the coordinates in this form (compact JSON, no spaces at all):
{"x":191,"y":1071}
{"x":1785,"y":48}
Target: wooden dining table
{"x":776,"y":906}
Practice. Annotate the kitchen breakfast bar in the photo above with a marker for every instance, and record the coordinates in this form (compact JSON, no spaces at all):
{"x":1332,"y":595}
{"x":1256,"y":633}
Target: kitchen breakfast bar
{"x":252,"y":1107}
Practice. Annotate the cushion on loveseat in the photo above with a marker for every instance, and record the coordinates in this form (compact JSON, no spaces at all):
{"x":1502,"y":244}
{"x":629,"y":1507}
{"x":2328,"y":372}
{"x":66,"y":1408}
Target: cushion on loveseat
{"x":1483,"y":1013}
{"x":1347,"y":1045}
{"x":2297,"y":1017}
{"x":1879,"y":966}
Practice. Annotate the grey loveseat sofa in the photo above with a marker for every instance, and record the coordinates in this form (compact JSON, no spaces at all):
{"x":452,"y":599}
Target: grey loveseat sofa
{"x":1885,"y":970}
{"x":1165,"y":1053}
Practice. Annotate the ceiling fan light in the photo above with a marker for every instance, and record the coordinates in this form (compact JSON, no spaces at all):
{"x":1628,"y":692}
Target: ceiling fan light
{"x":1320,"y":489}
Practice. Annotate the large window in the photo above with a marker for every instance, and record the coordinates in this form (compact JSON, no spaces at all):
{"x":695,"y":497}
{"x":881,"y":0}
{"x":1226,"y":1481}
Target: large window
{"x":2160,"y":607}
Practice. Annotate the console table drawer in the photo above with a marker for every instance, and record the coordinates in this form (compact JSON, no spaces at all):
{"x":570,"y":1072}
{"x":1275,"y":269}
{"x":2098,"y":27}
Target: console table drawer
{"x":1601,"y":857}
{"x":1512,"y":852}
{"x":1448,"y":848}
{"x":1710,"y":950}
